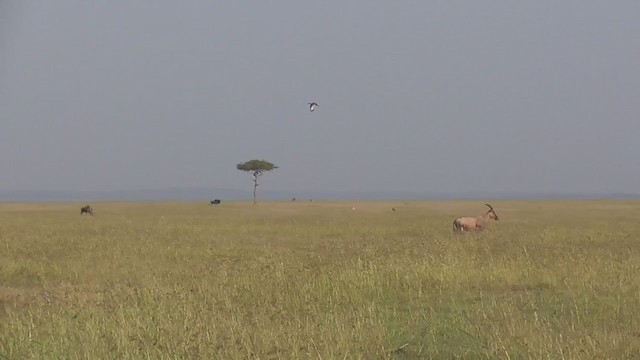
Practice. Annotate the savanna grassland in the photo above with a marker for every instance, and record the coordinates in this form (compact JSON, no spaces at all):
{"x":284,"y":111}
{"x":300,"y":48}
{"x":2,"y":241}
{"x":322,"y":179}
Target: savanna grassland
{"x":288,"y":280}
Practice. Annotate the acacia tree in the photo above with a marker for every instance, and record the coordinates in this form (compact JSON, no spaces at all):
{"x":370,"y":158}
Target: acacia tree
{"x":257,"y":168}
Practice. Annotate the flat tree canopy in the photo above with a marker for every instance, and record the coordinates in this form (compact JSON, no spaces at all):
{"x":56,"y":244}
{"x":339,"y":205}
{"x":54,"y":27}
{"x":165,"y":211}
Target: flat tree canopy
{"x":256,"y":165}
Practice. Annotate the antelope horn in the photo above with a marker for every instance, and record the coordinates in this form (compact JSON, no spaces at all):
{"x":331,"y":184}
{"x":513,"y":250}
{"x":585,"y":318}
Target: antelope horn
{"x":490,"y":207}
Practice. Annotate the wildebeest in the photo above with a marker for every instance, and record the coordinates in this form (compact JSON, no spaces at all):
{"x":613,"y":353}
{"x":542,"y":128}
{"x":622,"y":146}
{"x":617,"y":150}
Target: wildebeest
{"x":475,"y":223}
{"x":86,"y":210}
{"x":214,"y":202}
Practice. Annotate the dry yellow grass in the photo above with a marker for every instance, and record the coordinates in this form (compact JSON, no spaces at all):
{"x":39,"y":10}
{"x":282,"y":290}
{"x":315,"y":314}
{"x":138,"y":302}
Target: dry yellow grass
{"x":552,"y":279}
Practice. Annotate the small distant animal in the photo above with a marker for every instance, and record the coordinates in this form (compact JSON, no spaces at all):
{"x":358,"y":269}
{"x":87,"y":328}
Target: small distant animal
{"x":477,"y":223}
{"x":214,"y":202}
{"x":293,"y":199}
{"x":393,"y":209}
{"x":313,"y":106}
{"x":86,"y":210}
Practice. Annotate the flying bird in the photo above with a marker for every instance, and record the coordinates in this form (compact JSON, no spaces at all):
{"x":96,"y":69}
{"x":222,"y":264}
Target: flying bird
{"x":312,"y":106}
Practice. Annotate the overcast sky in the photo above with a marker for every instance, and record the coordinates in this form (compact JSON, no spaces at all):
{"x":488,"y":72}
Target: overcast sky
{"x":418,"y":96}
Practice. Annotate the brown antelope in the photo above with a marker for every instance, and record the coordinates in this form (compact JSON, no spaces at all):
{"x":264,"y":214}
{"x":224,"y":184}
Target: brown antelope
{"x":475,"y":223}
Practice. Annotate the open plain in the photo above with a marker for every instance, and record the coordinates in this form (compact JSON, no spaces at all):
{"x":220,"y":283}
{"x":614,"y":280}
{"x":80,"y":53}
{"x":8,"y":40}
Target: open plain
{"x":550,"y":280}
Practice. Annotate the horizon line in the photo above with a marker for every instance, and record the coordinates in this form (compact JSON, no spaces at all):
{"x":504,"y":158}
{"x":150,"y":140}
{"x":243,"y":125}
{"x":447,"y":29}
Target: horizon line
{"x":204,"y":193}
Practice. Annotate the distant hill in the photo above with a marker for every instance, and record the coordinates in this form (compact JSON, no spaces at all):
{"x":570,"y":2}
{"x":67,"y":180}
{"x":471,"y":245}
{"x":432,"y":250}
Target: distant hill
{"x":205,"y":194}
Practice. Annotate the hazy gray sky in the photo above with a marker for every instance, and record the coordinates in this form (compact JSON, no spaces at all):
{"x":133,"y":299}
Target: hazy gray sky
{"x":420,"y":96}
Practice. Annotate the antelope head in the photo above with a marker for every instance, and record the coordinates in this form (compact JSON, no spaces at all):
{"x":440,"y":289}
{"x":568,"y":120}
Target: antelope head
{"x":492,"y":214}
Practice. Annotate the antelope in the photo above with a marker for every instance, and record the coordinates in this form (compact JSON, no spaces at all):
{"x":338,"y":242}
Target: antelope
{"x":86,"y":210}
{"x":475,"y":223}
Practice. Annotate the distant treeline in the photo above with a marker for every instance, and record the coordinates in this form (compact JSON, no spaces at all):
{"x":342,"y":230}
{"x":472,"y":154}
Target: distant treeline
{"x":195,"y":194}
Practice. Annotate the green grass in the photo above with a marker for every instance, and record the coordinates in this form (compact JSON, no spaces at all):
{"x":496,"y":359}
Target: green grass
{"x":551,"y":280}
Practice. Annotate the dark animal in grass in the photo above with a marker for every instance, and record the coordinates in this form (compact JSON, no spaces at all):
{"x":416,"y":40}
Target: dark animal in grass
{"x":86,"y":210}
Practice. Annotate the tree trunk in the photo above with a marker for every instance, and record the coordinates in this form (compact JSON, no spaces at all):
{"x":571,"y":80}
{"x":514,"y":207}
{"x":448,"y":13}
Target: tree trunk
{"x":255,"y":187}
